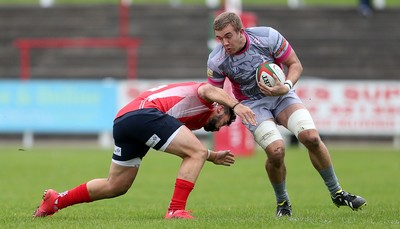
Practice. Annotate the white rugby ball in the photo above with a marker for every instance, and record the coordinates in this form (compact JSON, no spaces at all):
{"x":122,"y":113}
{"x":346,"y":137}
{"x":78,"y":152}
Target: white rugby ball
{"x":265,"y":71}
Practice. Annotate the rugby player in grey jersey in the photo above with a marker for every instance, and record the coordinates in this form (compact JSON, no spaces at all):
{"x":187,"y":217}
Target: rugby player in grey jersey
{"x":236,"y":57}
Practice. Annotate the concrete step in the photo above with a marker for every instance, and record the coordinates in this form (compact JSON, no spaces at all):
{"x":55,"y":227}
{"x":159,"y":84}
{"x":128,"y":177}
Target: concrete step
{"x":174,"y":40}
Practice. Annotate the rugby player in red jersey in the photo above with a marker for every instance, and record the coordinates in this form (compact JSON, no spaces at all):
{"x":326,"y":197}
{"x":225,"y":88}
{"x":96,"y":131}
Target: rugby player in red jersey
{"x":161,"y":118}
{"x":236,"y":57}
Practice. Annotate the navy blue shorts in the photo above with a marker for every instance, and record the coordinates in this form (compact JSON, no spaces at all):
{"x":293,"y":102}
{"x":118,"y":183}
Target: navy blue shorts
{"x":137,"y":131}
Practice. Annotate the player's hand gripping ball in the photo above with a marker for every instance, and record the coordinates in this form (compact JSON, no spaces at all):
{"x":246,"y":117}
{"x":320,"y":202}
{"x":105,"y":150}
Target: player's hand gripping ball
{"x":265,"y":71}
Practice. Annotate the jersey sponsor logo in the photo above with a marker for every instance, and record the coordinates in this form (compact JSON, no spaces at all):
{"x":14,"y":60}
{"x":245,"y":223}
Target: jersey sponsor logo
{"x":153,"y":140}
{"x":257,"y":41}
{"x":221,"y":58}
{"x":210,"y":72}
{"x":117,"y":151}
{"x":235,"y":70}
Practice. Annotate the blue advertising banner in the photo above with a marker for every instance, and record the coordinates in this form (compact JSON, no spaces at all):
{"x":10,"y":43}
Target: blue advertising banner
{"x":52,"y":106}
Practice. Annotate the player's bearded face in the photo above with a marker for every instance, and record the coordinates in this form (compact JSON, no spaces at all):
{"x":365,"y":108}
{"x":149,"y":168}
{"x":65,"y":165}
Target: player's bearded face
{"x":214,"y":123}
{"x":211,"y":124}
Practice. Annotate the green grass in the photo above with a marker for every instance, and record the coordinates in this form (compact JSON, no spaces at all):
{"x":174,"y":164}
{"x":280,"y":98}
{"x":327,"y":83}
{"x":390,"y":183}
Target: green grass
{"x":224,"y":197}
{"x":389,"y":3}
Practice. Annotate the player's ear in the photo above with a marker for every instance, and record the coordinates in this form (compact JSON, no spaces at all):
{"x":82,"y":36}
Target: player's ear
{"x":220,"y":109}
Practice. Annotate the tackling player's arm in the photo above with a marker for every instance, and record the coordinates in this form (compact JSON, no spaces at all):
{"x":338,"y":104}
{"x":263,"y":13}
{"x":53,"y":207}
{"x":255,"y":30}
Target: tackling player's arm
{"x":214,"y":94}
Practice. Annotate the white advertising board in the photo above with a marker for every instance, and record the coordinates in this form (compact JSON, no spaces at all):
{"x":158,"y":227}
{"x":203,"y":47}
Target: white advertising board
{"x":338,"y":107}
{"x":352,"y":107}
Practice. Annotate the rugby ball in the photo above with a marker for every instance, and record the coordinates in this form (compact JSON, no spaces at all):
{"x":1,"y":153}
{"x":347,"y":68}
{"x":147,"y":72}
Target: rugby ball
{"x":265,"y":71}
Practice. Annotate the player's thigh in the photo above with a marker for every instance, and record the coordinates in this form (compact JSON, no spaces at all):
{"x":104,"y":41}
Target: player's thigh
{"x":185,"y":143}
{"x":298,"y":120}
{"x":122,"y":175}
{"x":284,"y":116}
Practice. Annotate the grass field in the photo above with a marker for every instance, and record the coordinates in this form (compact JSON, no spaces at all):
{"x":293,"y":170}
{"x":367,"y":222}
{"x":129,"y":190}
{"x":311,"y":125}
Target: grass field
{"x":224,"y":197}
{"x":389,"y":3}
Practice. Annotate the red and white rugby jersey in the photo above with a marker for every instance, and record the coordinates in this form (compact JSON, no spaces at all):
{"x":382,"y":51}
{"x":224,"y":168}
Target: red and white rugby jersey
{"x":180,"y":100}
{"x":263,"y":44}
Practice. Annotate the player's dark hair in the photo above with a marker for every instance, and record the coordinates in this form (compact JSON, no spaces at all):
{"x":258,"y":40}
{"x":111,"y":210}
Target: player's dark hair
{"x":232,"y":114}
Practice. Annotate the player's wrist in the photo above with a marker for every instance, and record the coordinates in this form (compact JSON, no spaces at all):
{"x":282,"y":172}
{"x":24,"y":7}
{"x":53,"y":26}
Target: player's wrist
{"x":210,"y":155}
{"x":233,"y":107}
{"x":288,"y":84}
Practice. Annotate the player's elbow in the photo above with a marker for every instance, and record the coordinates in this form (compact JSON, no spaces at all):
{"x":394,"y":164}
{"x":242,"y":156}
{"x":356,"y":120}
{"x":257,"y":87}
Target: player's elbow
{"x":299,"y":67}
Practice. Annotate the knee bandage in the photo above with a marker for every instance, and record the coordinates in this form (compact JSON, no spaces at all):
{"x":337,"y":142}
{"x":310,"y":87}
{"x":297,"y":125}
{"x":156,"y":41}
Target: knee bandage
{"x":300,"y":120}
{"x":266,"y":133}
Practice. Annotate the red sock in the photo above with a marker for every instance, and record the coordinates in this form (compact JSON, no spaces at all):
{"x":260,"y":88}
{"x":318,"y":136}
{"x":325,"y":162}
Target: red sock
{"x":79,"y":194}
{"x":181,"y":194}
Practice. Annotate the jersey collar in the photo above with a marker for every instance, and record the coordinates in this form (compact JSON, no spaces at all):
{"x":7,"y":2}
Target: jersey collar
{"x":247,"y":44}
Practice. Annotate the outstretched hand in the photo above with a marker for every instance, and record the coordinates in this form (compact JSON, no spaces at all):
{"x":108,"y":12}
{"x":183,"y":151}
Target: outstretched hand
{"x":223,"y":157}
{"x":247,"y":115}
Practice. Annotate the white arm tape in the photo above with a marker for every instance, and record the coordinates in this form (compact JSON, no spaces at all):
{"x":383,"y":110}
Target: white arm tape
{"x":289,"y":84}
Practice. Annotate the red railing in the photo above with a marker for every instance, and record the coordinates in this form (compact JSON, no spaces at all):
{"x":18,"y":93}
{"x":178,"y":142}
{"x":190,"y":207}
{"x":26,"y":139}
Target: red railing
{"x":123,"y":41}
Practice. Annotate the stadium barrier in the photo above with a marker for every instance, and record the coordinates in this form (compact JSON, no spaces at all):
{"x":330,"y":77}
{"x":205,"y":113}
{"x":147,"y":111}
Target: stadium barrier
{"x":56,"y":106}
{"x":339,"y":108}
{"x":25,"y":45}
